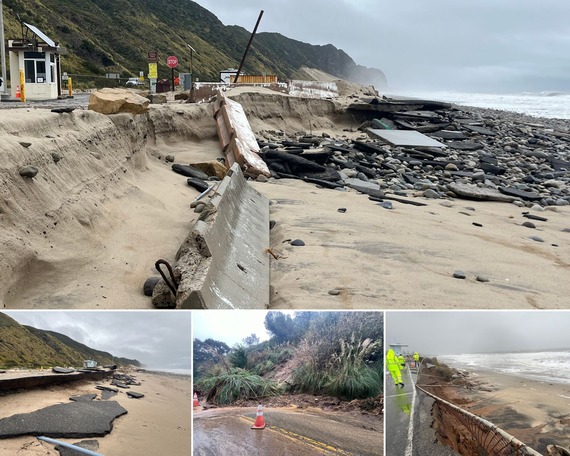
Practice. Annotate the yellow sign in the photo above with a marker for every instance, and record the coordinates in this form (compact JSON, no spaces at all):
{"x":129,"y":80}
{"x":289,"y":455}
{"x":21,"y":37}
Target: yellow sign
{"x":153,"y":70}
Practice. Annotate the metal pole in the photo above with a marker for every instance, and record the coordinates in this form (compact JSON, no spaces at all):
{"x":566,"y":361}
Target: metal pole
{"x":69,"y":445}
{"x":248,"y":46}
{"x":3,"y":48}
{"x":192,"y":50}
{"x":58,"y":71}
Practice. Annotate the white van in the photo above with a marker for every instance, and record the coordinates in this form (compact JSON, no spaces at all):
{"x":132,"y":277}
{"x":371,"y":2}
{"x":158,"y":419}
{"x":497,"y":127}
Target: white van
{"x":134,"y":82}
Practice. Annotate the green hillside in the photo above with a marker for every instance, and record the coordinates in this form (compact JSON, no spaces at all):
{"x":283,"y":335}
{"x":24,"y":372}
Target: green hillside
{"x":24,"y":346}
{"x":114,"y":36}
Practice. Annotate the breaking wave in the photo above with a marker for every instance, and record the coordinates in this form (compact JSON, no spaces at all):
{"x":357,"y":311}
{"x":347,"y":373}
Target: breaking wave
{"x":547,"y":104}
{"x":551,"y":366}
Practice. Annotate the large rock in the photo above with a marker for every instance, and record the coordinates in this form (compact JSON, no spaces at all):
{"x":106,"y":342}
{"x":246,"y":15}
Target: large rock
{"x":29,"y":171}
{"x":113,"y":101}
{"x":157,"y":98}
{"x":212,"y":168}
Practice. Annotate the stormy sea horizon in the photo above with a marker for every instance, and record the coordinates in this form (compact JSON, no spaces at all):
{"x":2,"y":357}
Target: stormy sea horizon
{"x":180,"y":372}
{"x":548,"y":366}
{"x":546,"y":104}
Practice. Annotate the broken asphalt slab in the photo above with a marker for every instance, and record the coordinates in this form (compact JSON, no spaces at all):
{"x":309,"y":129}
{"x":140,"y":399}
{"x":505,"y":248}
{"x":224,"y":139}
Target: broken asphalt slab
{"x":70,"y":420}
{"x":135,"y":395}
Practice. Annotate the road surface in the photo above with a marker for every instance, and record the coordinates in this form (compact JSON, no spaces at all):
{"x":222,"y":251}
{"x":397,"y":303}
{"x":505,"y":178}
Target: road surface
{"x":408,"y":420}
{"x":79,"y":100}
{"x":289,"y":432}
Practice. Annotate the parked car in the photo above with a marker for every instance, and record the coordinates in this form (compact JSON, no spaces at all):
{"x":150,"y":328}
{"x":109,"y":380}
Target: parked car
{"x":133,"y":82}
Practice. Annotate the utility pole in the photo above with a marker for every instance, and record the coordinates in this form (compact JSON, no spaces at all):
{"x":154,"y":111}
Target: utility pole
{"x":192,"y":50}
{"x":3,"y":52}
{"x":248,"y":46}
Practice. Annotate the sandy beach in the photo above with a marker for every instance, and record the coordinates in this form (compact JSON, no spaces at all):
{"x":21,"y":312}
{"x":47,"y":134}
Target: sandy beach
{"x":406,"y":257}
{"x":535,"y":412}
{"x":158,"y":422}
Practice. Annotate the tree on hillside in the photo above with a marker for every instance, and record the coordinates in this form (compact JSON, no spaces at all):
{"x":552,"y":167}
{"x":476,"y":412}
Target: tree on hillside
{"x":207,"y":353}
{"x":238,"y":356}
{"x":302,"y":322}
{"x":252,"y":339}
{"x":280,"y":326}
{"x":284,"y":328}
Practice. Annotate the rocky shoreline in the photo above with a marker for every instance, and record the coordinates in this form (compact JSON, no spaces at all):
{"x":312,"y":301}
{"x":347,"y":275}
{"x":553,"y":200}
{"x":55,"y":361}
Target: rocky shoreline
{"x":486,"y":155}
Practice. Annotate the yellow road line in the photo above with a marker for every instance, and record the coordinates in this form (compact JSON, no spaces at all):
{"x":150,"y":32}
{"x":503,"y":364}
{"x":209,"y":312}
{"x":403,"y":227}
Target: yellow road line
{"x":298,"y":437}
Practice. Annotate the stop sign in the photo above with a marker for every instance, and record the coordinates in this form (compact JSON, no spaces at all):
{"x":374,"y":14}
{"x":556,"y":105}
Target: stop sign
{"x":172,"y":61}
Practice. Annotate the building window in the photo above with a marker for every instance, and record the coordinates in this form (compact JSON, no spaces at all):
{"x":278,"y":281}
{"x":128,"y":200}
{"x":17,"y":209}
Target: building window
{"x":41,"y":70}
{"x":30,"y":71}
{"x":35,"y":71}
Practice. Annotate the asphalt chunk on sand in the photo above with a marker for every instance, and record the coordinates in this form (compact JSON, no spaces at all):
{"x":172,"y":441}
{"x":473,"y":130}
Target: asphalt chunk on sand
{"x":70,"y":420}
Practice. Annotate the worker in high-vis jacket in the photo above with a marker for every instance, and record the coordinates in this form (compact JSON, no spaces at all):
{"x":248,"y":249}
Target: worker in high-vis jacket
{"x":416,"y":357}
{"x":393,"y":366}
{"x":402,"y":361}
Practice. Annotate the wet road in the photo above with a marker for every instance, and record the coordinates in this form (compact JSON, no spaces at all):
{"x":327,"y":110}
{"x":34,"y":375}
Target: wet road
{"x":288,"y":433}
{"x":408,"y":420}
{"x":79,"y":100}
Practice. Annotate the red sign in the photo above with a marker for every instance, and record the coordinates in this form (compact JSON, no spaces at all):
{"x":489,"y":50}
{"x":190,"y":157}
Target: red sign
{"x":172,"y":61}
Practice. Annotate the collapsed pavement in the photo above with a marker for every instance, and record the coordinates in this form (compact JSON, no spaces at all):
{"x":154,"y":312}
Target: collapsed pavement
{"x":76,"y":419}
{"x":475,"y":155}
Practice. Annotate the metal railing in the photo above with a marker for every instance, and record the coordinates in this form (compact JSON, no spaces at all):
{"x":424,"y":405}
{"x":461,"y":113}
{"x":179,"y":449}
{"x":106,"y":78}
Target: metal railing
{"x":489,"y":439}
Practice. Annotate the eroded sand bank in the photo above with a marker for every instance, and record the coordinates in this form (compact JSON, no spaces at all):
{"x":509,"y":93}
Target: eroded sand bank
{"x":87,"y":230}
{"x":535,"y":412}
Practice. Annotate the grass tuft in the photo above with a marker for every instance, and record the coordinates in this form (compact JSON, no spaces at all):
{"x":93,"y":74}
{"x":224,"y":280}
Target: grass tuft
{"x":235,"y":384}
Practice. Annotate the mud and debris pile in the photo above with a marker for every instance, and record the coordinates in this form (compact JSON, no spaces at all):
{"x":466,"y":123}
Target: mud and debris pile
{"x":370,"y":406}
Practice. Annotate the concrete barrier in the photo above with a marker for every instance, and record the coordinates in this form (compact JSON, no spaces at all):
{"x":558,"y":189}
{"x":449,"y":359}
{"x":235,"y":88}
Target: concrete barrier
{"x":223,"y":263}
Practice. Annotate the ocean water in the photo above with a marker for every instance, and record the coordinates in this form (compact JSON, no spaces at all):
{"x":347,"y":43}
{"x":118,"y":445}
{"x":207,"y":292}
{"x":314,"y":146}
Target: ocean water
{"x":551,"y":366}
{"x":185,"y":372}
{"x":552,"y":105}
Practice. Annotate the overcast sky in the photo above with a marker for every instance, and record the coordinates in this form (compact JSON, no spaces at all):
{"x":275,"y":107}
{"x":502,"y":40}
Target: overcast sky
{"x":231,"y":326}
{"x":466,"y":45}
{"x":450,"y":333}
{"x":159,"y":340}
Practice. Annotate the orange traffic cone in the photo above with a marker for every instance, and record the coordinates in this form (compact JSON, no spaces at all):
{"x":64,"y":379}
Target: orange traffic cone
{"x":196,"y":401}
{"x":259,"y":421}
{"x":18,"y":92}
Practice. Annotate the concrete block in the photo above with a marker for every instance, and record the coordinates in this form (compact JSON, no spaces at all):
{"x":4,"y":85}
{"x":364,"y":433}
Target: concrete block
{"x":236,"y":275}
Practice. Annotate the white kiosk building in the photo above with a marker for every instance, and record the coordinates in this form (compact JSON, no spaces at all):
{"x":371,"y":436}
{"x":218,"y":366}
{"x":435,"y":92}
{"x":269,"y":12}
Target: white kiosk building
{"x":39,"y":57}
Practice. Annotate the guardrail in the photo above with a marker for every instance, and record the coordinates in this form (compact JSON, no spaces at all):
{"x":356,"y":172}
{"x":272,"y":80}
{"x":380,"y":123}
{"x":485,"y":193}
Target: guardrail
{"x":490,"y":439}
